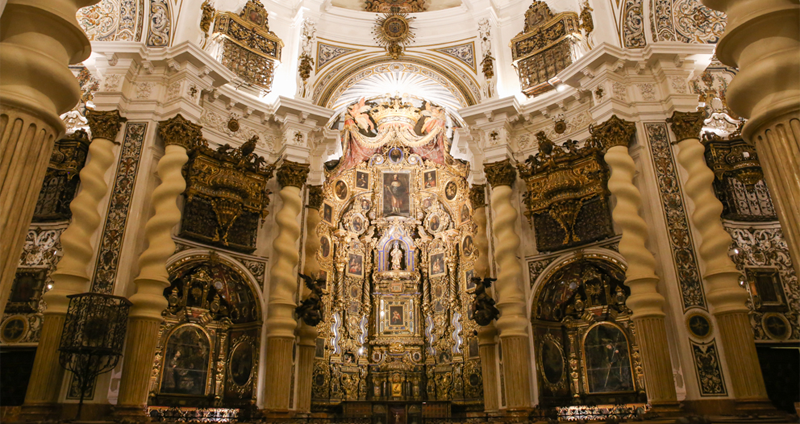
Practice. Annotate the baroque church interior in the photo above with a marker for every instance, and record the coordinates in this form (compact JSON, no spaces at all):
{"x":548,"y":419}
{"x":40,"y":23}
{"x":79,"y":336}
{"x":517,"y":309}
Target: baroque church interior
{"x":399,"y":211}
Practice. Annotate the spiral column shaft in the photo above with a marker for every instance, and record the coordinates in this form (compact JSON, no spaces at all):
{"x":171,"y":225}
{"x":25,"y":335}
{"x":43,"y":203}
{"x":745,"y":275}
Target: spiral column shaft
{"x":71,"y":275}
{"x":307,"y":335}
{"x":513,"y":322}
{"x":281,"y":323}
{"x":721,"y":276}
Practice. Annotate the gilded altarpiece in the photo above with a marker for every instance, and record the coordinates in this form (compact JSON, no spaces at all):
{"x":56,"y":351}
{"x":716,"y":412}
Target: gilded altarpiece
{"x":209,"y":343}
{"x":567,"y":198}
{"x":587,"y":351}
{"x":397,"y":252}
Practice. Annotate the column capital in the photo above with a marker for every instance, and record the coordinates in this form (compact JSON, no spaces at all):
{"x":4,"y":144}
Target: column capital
{"x":686,"y":125}
{"x":501,"y":173}
{"x":104,"y":124}
{"x":180,"y":131}
{"x":314,"y":197}
{"x":292,"y":174}
{"x":614,"y":132}
{"x":477,"y":196}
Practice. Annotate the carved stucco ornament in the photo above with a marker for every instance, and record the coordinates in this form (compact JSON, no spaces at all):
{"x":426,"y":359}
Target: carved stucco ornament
{"x":104,"y":124}
{"x":292,"y":174}
{"x":686,"y":125}
{"x":314,"y":197}
{"x":501,"y":173}
{"x":477,"y":196}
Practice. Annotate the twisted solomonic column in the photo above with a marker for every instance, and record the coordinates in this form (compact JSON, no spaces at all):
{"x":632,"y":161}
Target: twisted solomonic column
{"x":38,"y":41}
{"x":487,"y":335}
{"x":761,"y":40}
{"x":283,"y":285}
{"x":71,"y":275}
{"x":646,"y":303}
{"x":307,"y":335}
{"x":513,"y":321}
{"x":179,"y":135}
{"x":721,"y":276}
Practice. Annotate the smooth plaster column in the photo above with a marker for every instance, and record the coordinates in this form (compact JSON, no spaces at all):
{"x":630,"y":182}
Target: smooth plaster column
{"x":179,"y":135}
{"x":761,"y":39}
{"x":721,"y":277}
{"x":72,"y":276}
{"x":283,"y":285}
{"x":307,"y":335}
{"x":37,"y":42}
{"x":513,"y":322}
{"x":646,"y":303}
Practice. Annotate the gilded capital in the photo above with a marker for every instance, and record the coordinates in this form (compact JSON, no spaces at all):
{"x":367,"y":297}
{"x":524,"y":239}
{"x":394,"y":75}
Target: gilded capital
{"x":501,"y":173}
{"x":104,"y":124}
{"x":314,"y":197}
{"x":477,"y":196}
{"x":687,"y":125}
{"x":614,"y":132}
{"x":180,"y":131}
{"x":292,"y":174}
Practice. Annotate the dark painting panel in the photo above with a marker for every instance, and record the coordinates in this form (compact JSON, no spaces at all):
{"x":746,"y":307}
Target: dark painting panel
{"x":608,"y":364}
{"x":186,"y":362}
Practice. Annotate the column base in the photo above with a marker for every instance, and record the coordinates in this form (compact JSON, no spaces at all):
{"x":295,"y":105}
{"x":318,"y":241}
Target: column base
{"x":89,"y":412}
{"x":130,"y":412}
{"x":40,"y":412}
{"x":667,"y":409}
{"x":757,"y":406}
{"x":278,"y":415}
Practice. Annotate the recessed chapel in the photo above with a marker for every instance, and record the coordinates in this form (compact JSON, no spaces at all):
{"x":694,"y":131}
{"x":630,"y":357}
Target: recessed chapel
{"x":399,"y":211}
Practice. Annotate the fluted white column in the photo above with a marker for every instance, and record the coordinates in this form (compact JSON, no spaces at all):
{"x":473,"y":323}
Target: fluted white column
{"x":178,"y":135}
{"x":283,"y":285}
{"x":72,"y":275}
{"x":761,"y":39}
{"x":37,"y":42}
{"x":721,"y":276}
{"x":513,"y":322}
{"x":307,"y":335}
{"x":646,"y":303}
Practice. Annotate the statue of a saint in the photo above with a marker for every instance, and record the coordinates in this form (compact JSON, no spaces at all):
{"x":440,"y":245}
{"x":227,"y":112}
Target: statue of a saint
{"x":397,"y":256}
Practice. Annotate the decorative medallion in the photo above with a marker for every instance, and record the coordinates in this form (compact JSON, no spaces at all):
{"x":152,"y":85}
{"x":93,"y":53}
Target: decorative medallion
{"x":233,"y":124}
{"x":393,"y":32}
{"x":698,"y":325}
{"x":776,"y":326}
{"x":13,"y":329}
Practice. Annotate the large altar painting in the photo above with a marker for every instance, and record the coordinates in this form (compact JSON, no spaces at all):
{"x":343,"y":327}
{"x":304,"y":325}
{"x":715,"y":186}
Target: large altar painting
{"x":187,"y":362}
{"x":398,"y":255}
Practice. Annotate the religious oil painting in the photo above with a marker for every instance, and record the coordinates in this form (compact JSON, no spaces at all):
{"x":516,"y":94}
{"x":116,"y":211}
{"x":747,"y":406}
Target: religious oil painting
{"x":465,"y":213}
{"x":355,"y":265}
{"x":396,"y":315}
{"x":608,"y":364}
{"x":327,"y":213}
{"x":450,"y":190}
{"x":468,"y":279}
{"x":430,"y":179}
{"x":467,"y":246}
{"x":186,"y":362}
{"x":241,"y":363}
{"x":324,"y":247}
{"x":362,"y":180}
{"x":437,"y":265}
{"x":396,"y":156}
{"x":552,"y":361}
{"x":396,"y":201}
{"x":340,"y":188}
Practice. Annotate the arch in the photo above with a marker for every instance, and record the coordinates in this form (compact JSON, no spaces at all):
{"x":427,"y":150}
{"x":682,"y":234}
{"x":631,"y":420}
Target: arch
{"x":332,"y":85}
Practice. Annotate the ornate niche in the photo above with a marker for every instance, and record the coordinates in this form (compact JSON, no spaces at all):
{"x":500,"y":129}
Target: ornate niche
{"x":739,"y":182}
{"x":61,"y":180}
{"x":397,"y":251}
{"x":567,"y":198}
{"x":226,"y":196}
{"x":246,"y":46}
{"x":208,"y":349}
{"x":588,"y":351}
{"x":548,"y":44}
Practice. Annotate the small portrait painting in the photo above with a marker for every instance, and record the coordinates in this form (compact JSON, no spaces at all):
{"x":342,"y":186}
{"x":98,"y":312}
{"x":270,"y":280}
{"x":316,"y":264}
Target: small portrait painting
{"x":241,"y":364}
{"x":358,"y":224}
{"x":434,"y":223}
{"x":464,"y":213}
{"x":324,"y":247}
{"x":396,"y":315}
{"x":327,"y":213}
{"x":340,"y":189}
{"x":429,"y":179}
{"x":362,"y":180}
{"x":396,"y":199}
{"x":437,"y":264}
{"x":467,"y":247}
{"x":450,"y":190}
{"x":355,"y":265}
{"x":427,"y":203}
{"x":396,"y":156}
{"x":468,"y":279}
{"x":365,"y":204}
